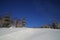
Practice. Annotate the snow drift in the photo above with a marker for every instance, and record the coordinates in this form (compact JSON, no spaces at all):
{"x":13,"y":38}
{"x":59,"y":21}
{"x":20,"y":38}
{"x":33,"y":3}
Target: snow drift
{"x":29,"y":34}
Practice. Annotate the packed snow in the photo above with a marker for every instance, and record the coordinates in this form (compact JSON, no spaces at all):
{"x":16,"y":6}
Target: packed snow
{"x":29,"y":34}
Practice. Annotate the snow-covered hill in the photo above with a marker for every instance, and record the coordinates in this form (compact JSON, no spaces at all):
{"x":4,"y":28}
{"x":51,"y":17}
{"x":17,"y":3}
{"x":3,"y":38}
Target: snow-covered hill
{"x":29,"y":34}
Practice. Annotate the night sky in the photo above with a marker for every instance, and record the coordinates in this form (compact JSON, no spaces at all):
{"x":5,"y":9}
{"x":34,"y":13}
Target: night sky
{"x":37,"y":12}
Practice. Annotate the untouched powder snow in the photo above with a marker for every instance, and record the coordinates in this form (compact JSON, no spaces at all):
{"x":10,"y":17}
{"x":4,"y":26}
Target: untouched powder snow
{"x":29,"y":34}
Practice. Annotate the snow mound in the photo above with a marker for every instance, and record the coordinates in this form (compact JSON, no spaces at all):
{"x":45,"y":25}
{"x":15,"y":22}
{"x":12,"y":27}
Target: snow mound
{"x":29,"y":34}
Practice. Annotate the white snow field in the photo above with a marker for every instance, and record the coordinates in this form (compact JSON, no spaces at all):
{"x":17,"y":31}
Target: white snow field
{"x":29,"y":34}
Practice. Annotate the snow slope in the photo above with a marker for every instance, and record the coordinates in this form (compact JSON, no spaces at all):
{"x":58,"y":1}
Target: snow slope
{"x":29,"y":34}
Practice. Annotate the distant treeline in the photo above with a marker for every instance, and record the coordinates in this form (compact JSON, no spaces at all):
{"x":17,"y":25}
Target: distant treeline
{"x":53,"y":25}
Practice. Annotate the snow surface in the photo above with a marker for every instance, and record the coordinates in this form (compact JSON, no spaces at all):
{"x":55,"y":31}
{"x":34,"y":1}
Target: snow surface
{"x":29,"y":34}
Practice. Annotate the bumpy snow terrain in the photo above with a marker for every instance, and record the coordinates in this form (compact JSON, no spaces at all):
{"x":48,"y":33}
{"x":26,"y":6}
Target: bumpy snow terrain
{"x":29,"y":34}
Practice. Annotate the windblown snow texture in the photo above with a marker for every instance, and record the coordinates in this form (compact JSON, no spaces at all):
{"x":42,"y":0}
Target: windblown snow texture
{"x":29,"y":34}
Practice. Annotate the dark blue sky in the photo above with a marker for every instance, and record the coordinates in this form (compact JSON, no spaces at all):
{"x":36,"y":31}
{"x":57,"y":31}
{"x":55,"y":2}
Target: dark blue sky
{"x":37,"y":12}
